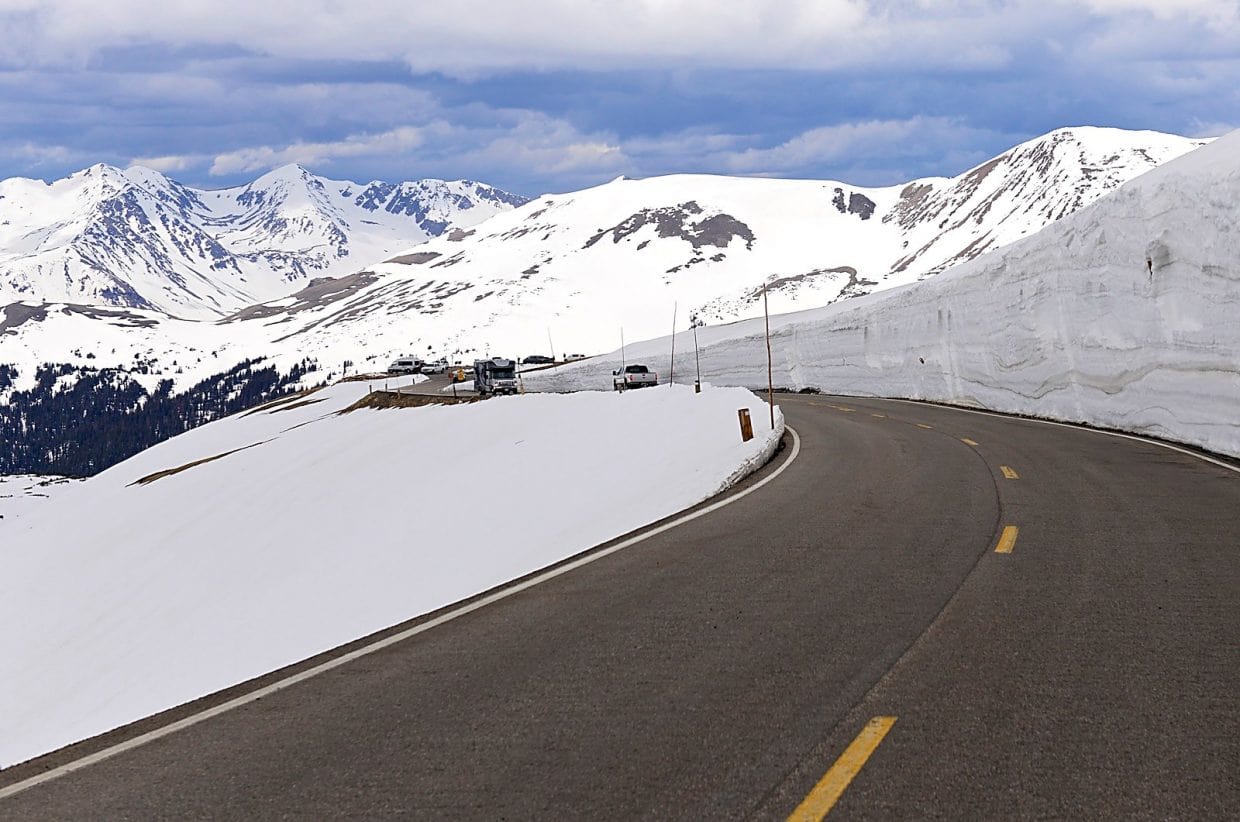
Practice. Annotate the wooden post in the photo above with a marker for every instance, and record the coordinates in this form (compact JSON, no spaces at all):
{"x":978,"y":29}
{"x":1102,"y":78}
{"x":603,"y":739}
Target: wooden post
{"x":671,"y":368}
{"x":746,"y":424}
{"x":770,"y":383}
{"x":697,"y":361}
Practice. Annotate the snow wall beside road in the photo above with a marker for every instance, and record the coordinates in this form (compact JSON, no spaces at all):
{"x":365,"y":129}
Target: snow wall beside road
{"x":1124,"y":315}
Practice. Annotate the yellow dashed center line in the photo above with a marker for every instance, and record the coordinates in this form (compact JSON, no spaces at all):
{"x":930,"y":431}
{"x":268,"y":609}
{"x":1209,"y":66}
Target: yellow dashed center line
{"x":1009,"y":472}
{"x":1007,"y":540}
{"x":967,"y":441}
{"x":879,"y":416}
{"x":923,"y":425}
{"x":829,"y":789}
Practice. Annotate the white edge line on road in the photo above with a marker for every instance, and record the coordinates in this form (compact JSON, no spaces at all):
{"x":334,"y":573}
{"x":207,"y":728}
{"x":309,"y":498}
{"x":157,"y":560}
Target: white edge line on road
{"x":194,"y":719}
{"x":1074,"y":426}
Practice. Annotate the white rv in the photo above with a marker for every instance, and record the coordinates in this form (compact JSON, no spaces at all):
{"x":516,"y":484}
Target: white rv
{"x":405,"y":365}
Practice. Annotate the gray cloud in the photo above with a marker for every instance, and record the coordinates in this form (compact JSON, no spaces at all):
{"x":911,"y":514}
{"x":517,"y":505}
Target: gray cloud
{"x":556,"y":94}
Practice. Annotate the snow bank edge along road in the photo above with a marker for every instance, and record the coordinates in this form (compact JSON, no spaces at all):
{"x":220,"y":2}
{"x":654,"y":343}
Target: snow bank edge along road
{"x":1122,"y":315}
{"x":312,"y":529}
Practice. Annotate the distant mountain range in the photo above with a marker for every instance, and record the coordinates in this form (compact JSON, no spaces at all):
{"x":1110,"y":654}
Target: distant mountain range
{"x":581,"y":266}
{"x":137,"y":239}
{"x":567,"y":272}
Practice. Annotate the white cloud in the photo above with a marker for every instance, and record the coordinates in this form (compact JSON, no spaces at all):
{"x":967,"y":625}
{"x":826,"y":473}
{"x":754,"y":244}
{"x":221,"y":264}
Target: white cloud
{"x":169,"y":163}
{"x":1218,"y":13}
{"x":494,"y":35}
{"x":37,"y":154}
{"x":261,"y":158}
{"x":546,"y":145}
{"x":1200,"y":128}
{"x":516,"y":141}
{"x":853,"y":142}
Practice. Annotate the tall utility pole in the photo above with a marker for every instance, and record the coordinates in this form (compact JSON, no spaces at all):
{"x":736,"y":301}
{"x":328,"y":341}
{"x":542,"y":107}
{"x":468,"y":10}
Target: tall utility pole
{"x":770,"y":383}
{"x":622,"y":363}
{"x":671,"y":369}
{"x":550,"y":344}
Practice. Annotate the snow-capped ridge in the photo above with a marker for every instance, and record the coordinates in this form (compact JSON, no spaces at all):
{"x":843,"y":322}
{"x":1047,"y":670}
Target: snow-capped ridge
{"x":568,"y":271}
{"x":137,"y":238}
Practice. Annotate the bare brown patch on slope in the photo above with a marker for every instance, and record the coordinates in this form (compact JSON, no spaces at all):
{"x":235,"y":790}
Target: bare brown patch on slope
{"x":391,"y":399}
{"x":167,"y":472}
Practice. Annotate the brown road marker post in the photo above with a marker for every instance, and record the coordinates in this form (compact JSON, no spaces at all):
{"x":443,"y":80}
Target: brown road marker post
{"x":746,"y":424}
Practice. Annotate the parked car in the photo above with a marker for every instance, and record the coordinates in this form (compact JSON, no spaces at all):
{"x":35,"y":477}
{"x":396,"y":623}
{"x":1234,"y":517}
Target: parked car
{"x":405,"y":365}
{"x":436,"y":367}
{"x":537,"y":359}
{"x":633,"y":376}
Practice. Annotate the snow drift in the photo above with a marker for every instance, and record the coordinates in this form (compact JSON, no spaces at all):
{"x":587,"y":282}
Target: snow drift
{"x":265,"y":538}
{"x":1124,"y":315}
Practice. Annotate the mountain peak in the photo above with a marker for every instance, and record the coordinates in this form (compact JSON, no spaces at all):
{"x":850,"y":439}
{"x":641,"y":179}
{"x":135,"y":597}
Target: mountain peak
{"x":99,"y":171}
{"x":294,"y":173}
{"x":138,"y":238}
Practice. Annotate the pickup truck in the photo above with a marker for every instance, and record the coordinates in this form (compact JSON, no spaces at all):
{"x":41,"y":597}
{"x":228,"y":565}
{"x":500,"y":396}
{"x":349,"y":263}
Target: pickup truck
{"x":633,"y":376}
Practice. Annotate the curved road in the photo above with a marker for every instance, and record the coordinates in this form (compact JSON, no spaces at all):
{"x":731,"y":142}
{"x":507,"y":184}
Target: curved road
{"x":720,"y":669}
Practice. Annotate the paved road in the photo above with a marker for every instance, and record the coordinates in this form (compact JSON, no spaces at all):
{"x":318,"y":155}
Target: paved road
{"x":720,"y":669}
{"x":433,"y":386}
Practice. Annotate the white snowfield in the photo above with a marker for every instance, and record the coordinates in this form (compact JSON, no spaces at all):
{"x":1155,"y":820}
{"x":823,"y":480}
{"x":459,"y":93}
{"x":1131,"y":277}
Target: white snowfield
{"x":20,"y":494}
{"x":313,"y":529}
{"x":1124,"y":315}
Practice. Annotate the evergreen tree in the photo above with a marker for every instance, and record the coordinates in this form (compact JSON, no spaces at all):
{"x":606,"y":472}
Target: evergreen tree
{"x":79,"y":421}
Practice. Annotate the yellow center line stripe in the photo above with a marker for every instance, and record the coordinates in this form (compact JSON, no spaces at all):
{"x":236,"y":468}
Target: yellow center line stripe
{"x":1009,"y":472}
{"x":1007,"y":540}
{"x":827,"y":792}
{"x":880,"y":416}
{"x":923,"y":425}
{"x":967,"y":441}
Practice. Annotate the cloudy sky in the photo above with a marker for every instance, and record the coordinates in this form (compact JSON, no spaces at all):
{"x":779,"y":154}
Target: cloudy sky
{"x":552,"y":95}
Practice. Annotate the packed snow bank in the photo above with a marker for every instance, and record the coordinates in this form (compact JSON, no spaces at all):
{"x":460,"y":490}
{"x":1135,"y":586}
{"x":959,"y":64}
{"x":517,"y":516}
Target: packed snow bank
{"x":267,"y":537}
{"x":1123,"y":315}
{"x":21,"y":494}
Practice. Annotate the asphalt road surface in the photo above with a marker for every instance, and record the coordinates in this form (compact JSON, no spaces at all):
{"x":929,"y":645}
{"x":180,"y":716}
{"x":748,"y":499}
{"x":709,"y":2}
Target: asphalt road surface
{"x":727,"y":667}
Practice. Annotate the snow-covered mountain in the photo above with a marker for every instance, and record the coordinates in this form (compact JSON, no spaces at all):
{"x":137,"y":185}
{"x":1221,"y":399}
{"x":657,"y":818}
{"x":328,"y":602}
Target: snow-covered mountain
{"x":1122,"y":315}
{"x":138,"y":239}
{"x":578,"y":267}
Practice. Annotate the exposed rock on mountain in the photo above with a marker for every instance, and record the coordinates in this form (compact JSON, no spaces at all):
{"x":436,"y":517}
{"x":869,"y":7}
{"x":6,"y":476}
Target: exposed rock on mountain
{"x":137,"y":239}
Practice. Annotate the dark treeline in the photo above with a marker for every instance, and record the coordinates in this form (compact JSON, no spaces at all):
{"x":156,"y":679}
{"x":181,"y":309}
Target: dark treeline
{"x":98,"y":417}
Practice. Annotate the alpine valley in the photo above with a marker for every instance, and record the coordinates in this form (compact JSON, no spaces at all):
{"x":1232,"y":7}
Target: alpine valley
{"x":155,"y":290}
